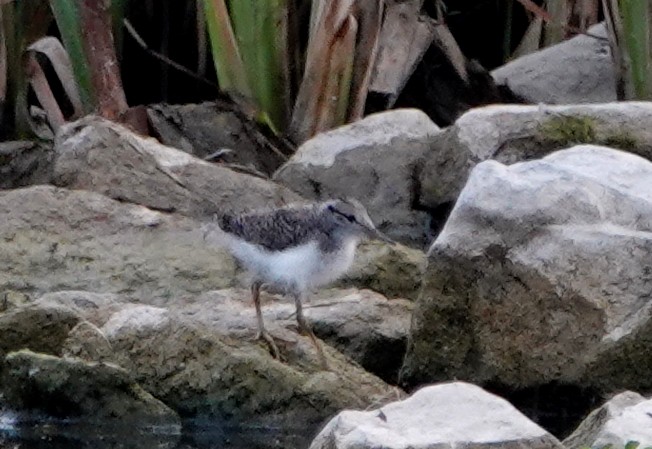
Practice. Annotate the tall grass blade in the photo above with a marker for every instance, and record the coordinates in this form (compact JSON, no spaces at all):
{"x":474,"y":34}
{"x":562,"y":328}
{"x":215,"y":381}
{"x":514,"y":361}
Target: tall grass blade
{"x":53,"y":50}
{"x":314,"y":97}
{"x":531,"y":39}
{"x":99,"y":50}
{"x":555,"y":29}
{"x":228,"y":64}
{"x":261,"y":30}
{"x":370,"y":20}
{"x":22,"y":22}
{"x":43,"y":92}
{"x":342,"y":73}
{"x":635,"y":17}
{"x":68,"y":20}
{"x":619,"y":57}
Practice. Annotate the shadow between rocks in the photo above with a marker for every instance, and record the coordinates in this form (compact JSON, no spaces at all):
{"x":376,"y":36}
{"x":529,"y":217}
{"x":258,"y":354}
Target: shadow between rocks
{"x":558,"y":408}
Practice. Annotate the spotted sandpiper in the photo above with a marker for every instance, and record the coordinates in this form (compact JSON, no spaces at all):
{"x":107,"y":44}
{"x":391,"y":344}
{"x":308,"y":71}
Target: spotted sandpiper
{"x":294,"y":248}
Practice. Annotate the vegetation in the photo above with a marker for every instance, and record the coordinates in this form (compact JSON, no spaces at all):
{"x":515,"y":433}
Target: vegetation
{"x":568,"y":130}
{"x":298,"y":66}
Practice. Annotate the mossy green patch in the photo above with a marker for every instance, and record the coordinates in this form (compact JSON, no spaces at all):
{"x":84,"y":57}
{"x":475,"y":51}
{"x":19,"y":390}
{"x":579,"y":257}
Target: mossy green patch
{"x":622,"y":141}
{"x":565,"y":130}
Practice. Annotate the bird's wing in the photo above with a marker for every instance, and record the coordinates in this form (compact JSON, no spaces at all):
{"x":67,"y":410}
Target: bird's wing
{"x":276,"y":230}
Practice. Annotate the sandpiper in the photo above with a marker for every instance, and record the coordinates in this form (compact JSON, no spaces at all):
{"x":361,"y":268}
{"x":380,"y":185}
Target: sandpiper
{"x":294,"y":248}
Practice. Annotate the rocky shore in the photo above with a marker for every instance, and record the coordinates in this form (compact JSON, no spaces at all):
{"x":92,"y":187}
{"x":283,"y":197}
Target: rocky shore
{"x":516,"y":310}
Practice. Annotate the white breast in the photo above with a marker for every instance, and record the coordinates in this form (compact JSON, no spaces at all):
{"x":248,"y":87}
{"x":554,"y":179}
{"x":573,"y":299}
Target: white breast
{"x":303,"y":266}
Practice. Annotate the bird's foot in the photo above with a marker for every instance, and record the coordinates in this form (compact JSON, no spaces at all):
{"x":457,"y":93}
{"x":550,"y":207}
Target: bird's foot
{"x":307,"y":331}
{"x":264,"y":335}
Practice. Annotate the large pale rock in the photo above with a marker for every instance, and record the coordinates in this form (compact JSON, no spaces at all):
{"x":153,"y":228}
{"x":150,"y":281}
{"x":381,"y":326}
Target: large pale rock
{"x":74,"y":390}
{"x":199,"y":356}
{"x":542,"y":273}
{"x":55,"y":239}
{"x":624,"y":418}
{"x":436,"y":417}
{"x":99,"y":155}
{"x":579,"y":70}
{"x":359,"y":323}
{"x":511,"y":133}
{"x":376,"y":160}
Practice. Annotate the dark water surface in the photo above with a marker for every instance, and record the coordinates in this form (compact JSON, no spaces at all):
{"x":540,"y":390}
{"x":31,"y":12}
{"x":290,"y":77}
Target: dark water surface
{"x":69,"y":437}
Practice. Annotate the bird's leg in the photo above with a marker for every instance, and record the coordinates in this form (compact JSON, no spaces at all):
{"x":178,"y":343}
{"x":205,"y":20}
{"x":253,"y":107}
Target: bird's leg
{"x":305,"y":327}
{"x":262,"y":333}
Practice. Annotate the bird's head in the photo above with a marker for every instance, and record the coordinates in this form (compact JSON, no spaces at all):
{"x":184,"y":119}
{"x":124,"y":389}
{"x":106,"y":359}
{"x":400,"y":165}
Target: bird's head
{"x":352,"y":217}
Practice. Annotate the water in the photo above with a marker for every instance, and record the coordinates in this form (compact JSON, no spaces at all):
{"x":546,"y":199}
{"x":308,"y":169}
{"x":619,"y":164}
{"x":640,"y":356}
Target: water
{"x":63,"y":436}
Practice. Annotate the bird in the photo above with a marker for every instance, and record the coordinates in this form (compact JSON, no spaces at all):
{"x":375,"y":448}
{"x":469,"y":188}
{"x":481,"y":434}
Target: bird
{"x":295,"y":248}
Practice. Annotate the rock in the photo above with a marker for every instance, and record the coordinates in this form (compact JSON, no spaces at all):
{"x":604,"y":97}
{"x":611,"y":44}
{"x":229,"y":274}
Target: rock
{"x":24,"y":163}
{"x":40,"y":327}
{"x":201,"y":129}
{"x":55,"y":239}
{"x":94,"y":308}
{"x":624,"y":418}
{"x":510,"y":133}
{"x":365,"y":326}
{"x":579,"y":70}
{"x":380,"y":157}
{"x":74,"y":390}
{"x":87,"y":342}
{"x":542,"y":274}
{"x":393,"y":271}
{"x":99,"y":155}
{"x":359,"y":323}
{"x":436,"y":417}
{"x":200,"y":358}
{"x":10,"y":299}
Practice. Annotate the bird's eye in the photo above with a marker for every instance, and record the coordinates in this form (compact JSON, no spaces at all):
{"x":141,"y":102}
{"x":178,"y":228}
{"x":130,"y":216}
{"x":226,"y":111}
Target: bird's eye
{"x":351,"y":218}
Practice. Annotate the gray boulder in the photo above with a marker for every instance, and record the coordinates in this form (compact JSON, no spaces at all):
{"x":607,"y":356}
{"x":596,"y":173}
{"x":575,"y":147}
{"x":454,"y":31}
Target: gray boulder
{"x":200,"y":358}
{"x":579,"y":70}
{"x":201,"y":129}
{"x":542,"y":273}
{"x":77,"y":391}
{"x":377,"y":161}
{"x":55,"y":239}
{"x":436,"y":417}
{"x":101,"y":156}
{"x":625,"y":417}
{"x":361,"y":324}
{"x":24,"y":163}
{"x":511,"y":133}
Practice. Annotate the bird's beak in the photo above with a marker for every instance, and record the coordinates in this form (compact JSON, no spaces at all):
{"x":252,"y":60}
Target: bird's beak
{"x":382,"y":237}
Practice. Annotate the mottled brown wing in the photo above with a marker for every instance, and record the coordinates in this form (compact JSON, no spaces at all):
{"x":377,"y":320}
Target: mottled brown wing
{"x":275,"y":230}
